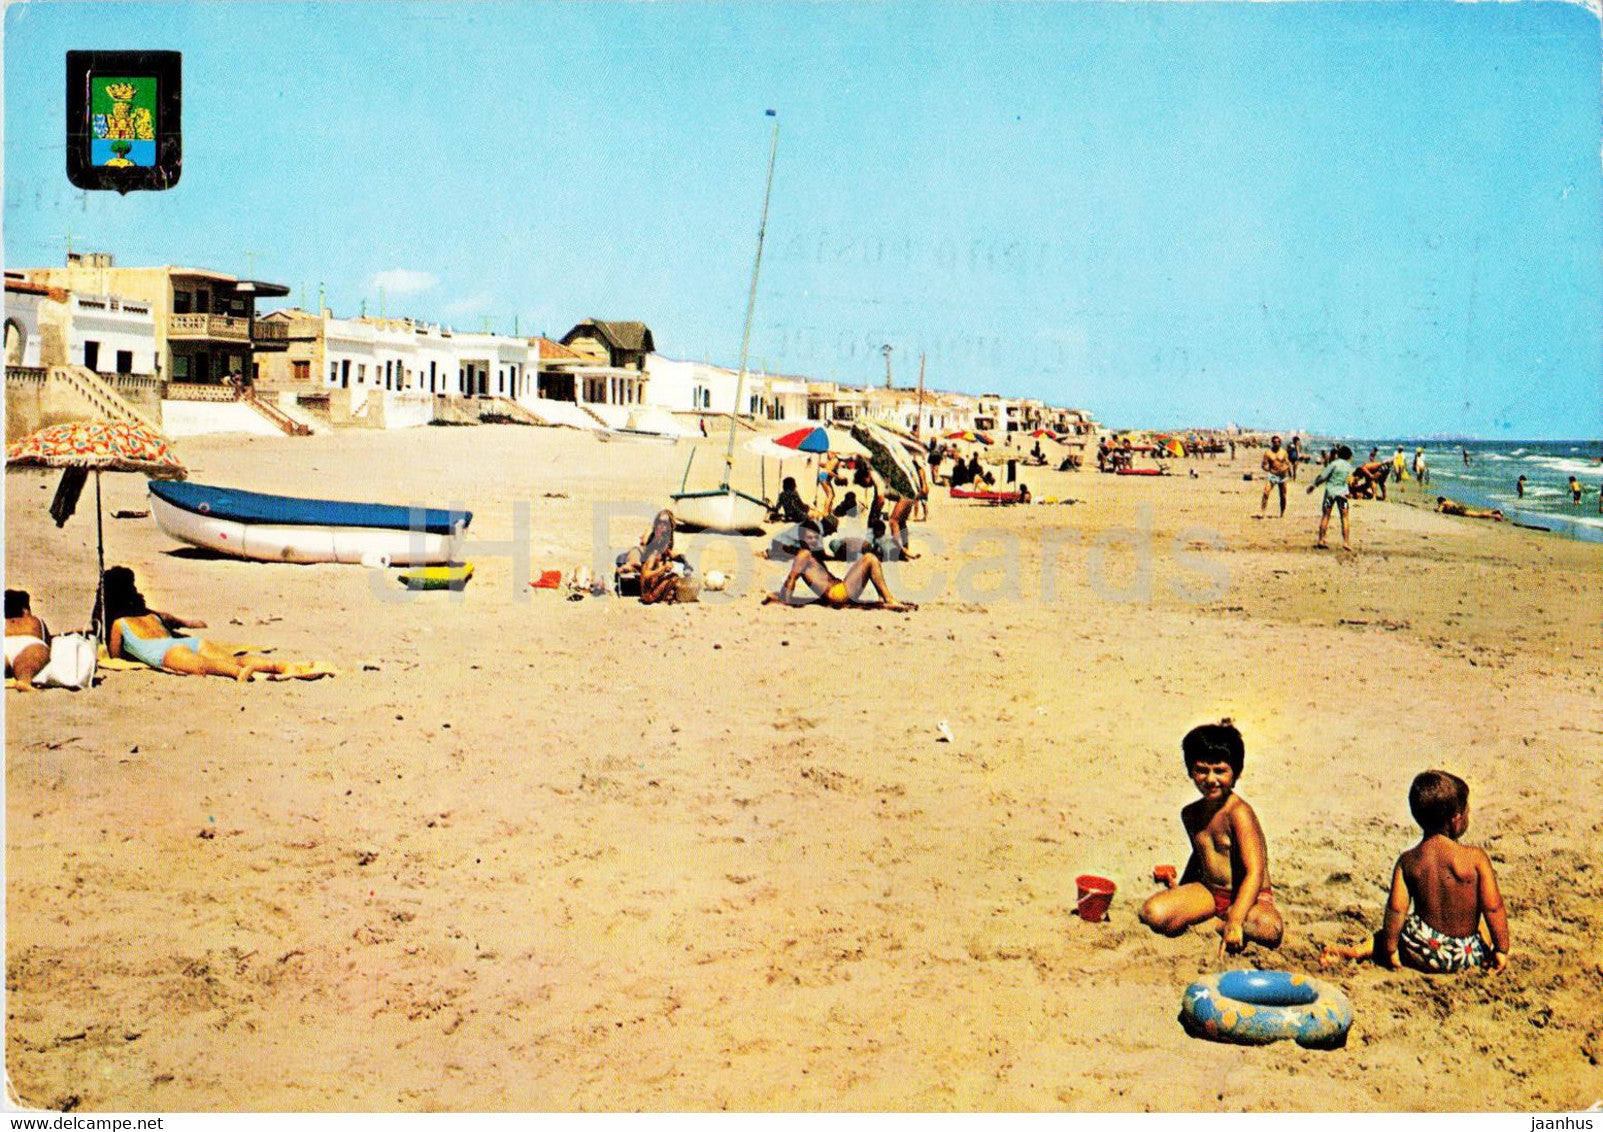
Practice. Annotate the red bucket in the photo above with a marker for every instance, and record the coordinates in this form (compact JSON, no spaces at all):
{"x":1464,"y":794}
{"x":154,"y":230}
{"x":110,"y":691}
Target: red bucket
{"x":1096,"y":893}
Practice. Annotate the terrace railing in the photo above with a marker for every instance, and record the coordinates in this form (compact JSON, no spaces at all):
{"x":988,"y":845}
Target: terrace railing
{"x":209,"y":326}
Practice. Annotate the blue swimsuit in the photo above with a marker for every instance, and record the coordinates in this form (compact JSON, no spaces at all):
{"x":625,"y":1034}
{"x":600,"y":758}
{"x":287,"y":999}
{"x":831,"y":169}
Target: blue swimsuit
{"x":152,"y":650}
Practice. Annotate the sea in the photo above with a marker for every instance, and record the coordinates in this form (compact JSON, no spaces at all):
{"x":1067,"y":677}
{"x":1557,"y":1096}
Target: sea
{"x":1494,"y":467}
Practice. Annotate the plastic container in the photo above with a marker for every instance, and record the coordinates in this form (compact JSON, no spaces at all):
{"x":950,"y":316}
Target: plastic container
{"x":1096,"y":893}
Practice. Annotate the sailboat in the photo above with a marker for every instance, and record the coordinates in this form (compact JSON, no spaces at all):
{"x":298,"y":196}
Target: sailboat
{"x":726,"y":509}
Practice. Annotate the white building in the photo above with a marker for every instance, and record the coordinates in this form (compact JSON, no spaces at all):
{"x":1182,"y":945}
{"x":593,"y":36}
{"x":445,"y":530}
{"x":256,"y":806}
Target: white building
{"x":691,"y":387}
{"x":48,"y":325}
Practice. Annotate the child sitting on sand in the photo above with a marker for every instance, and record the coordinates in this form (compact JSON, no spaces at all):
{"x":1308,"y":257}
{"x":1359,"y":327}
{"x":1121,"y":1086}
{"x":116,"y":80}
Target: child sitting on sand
{"x":1452,"y":887}
{"x":1227,"y":877}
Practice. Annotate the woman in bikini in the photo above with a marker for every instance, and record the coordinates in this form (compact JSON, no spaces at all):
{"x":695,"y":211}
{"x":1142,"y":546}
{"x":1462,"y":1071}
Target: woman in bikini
{"x":147,"y":635}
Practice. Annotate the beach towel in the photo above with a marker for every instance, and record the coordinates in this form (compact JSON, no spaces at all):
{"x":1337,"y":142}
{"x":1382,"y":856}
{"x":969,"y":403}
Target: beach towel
{"x":548,"y":580}
{"x":109,"y":663}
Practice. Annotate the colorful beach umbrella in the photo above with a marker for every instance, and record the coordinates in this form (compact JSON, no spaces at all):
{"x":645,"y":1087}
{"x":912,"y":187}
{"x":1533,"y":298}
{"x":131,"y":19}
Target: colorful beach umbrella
{"x":100,"y":446}
{"x":1044,"y":432}
{"x":95,"y":446}
{"x":967,"y":436}
{"x":817,"y":440}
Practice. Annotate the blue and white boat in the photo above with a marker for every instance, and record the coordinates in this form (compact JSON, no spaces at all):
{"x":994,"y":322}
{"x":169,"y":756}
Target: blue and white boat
{"x":282,"y":528}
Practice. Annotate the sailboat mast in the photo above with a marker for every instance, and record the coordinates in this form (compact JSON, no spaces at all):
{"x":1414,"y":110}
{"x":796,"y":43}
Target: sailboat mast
{"x":751,"y":305}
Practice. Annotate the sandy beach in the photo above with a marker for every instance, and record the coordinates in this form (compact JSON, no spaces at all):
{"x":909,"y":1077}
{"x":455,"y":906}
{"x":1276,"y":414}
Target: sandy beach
{"x":526,"y":853}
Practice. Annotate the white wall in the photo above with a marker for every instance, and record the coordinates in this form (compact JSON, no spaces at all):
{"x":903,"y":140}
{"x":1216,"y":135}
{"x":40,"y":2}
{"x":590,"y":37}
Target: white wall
{"x":23,"y":310}
{"x":195,"y":418}
{"x":116,"y":325}
{"x":674,"y":385}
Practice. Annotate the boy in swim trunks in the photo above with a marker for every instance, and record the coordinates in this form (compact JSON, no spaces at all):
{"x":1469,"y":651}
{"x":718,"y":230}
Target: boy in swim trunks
{"x":1452,"y":889}
{"x":1277,"y":470}
{"x":1227,"y":877}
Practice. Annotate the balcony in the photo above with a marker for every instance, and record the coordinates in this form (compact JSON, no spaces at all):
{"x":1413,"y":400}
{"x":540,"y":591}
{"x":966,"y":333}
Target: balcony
{"x":270,"y":336}
{"x":220,"y":326}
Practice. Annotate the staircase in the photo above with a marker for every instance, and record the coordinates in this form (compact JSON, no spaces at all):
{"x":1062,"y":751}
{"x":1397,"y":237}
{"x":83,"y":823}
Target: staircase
{"x":275,"y":416}
{"x":507,"y":407}
{"x":102,"y":398}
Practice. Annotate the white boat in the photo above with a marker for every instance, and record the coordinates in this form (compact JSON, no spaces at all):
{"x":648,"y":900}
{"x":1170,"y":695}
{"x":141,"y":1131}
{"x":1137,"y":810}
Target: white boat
{"x":724,"y":510}
{"x":274,"y":528}
{"x":636,"y":436}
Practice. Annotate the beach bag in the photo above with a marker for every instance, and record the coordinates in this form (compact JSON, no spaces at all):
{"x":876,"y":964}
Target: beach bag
{"x":687,"y":588}
{"x":72,"y":663}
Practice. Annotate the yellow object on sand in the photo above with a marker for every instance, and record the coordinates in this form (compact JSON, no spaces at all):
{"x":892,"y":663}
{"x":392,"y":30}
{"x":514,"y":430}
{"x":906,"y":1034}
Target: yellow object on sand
{"x":436,"y":577}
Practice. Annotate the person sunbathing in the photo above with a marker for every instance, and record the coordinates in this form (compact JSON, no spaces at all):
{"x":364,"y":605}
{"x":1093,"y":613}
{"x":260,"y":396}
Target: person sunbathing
{"x":27,"y":641}
{"x":659,"y":578}
{"x":1453,"y":507}
{"x":657,"y":540}
{"x":789,"y":507}
{"x":837,"y":593}
{"x":147,"y":635}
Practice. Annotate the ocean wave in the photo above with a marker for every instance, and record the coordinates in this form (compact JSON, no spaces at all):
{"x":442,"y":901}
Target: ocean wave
{"x":1566,"y":464}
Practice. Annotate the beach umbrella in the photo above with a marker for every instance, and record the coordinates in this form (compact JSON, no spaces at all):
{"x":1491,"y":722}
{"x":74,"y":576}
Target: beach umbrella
{"x":889,"y":458}
{"x":1044,"y":432}
{"x":95,"y":446}
{"x":817,"y":440}
{"x":967,"y":436}
{"x":912,"y":443}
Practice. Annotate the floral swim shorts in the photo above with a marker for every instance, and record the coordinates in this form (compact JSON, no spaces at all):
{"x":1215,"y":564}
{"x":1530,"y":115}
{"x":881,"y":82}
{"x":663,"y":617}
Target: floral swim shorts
{"x":1424,"y":947}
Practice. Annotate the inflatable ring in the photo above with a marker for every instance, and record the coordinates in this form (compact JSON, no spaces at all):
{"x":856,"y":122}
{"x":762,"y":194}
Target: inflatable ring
{"x":1259,"y":1007}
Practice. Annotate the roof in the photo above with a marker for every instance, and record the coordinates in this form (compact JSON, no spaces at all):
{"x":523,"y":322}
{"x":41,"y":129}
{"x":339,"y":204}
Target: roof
{"x":24,"y":287}
{"x":549,"y":349}
{"x":633,"y":336}
{"x":260,"y":287}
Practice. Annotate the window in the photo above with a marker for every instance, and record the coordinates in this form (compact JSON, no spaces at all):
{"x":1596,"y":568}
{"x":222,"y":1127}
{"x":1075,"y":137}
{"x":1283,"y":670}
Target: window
{"x":91,"y":355}
{"x":345,"y":373}
{"x":180,"y":367}
{"x":301,"y":371}
{"x":182,"y":302}
{"x":361,"y":373}
{"x":125,"y":361}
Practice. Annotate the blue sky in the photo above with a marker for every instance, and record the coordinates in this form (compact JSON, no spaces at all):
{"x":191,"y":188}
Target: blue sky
{"x":1352,"y":218}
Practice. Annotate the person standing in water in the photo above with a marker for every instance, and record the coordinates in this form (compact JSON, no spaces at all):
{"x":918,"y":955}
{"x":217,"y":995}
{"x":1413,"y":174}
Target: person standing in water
{"x":1519,"y":486}
{"x":1421,"y":472}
